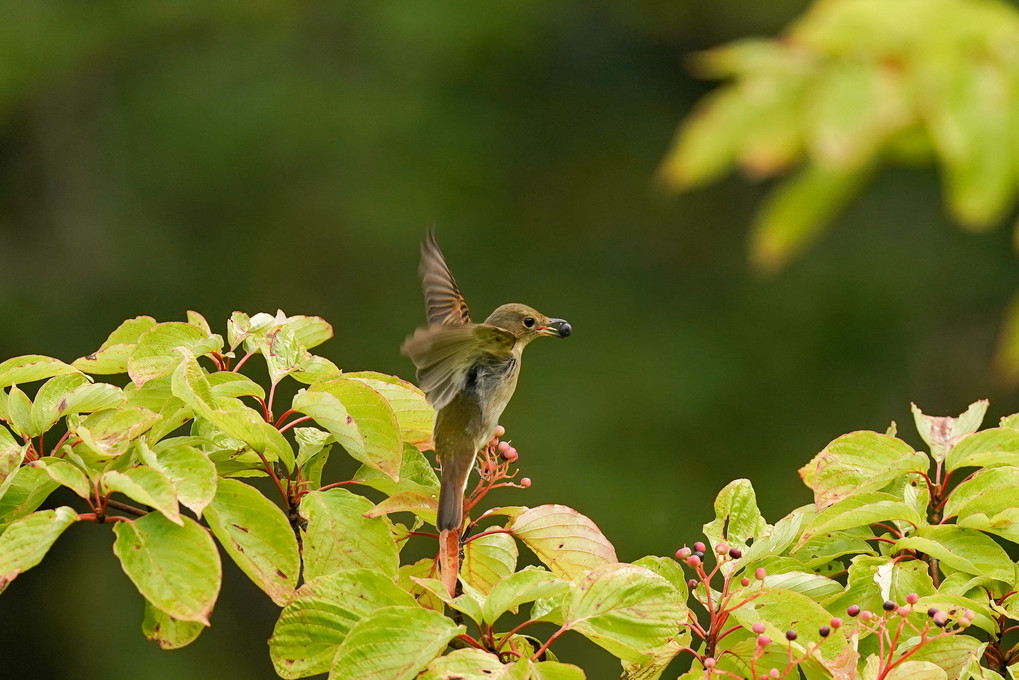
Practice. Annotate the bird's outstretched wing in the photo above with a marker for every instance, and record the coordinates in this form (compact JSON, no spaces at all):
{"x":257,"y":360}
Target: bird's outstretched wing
{"x":444,"y":355}
{"x":445,"y":304}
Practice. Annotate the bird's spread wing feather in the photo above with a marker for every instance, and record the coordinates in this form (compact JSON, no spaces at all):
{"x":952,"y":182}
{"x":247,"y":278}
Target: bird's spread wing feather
{"x":443,"y":300}
{"x":444,"y":355}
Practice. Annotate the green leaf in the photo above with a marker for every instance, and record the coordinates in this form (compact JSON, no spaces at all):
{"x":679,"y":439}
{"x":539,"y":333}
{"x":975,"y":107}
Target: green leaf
{"x":257,"y":535}
{"x":359,"y":418}
{"x":314,"y":624}
{"x":567,"y":542}
{"x":464,"y":664}
{"x":192,"y":474}
{"x":416,"y":474}
{"x":311,"y":331}
{"x":941,"y":433}
{"x":950,"y":654}
{"x":27,"y":491}
{"x":282,"y":351}
{"x":65,"y":474}
{"x":110,"y":433}
{"x":339,"y":536}
{"x":916,"y":670}
{"x":19,"y":407}
{"x":814,"y":586}
{"x":859,"y":510}
{"x":166,"y":631}
{"x":469,"y":602}
{"x":527,"y":585}
{"x":963,"y":549}
{"x":154,"y":355}
{"x":25,"y":542}
{"x":553,"y":670}
{"x":414,"y":415}
{"x":777,"y":539}
{"x":113,"y":355}
{"x":995,"y":446}
{"x":857,"y":462}
{"x":780,"y":610}
{"x":626,"y":609}
{"x":176,"y":568}
{"x":11,"y":456}
{"x":795,"y":213}
{"x":46,"y":406}
{"x":148,"y":486}
{"x":488,"y":560}
{"x":31,"y":367}
{"x":987,"y":492}
{"x":737,"y":519}
{"x":393,"y":643}
{"x":228,"y":384}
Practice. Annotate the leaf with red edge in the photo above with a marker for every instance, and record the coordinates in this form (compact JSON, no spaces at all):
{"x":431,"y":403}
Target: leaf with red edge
{"x":567,"y":542}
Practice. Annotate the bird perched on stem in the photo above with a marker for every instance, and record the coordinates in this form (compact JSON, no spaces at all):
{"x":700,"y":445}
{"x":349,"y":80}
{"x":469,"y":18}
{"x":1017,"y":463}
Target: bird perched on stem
{"x":468,"y":372}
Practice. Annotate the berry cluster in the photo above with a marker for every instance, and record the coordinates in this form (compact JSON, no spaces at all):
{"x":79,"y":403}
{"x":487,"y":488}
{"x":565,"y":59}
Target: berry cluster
{"x":493,"y":465}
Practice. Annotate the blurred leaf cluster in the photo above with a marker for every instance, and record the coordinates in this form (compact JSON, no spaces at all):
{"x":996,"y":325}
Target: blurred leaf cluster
{"x":853,"y":85}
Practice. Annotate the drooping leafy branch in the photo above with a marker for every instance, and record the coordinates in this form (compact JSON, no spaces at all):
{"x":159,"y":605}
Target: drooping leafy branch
{"x":896,"y":570}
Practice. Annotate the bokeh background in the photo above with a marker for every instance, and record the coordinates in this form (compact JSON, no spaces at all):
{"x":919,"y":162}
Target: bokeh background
{"x":157,"y":157}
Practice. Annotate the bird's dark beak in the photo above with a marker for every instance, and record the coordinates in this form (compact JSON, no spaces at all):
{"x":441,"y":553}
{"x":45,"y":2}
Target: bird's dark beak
{"x":556,"y":328}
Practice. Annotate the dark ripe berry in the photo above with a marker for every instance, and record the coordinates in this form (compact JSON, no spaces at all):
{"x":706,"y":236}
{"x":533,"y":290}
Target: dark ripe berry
{"x":854,"y":610}
{"x":940,"y":619}
{"x":699,"y":553}
{"x":744,"y":581}
{"x":889,"y":606}
{"x":699,"y":546}
{"x":691,"y":584}
{"x":790,"y":635}
{"x":824,"y":631}
{"x":735,"y":553}
{"x":932,"y":611}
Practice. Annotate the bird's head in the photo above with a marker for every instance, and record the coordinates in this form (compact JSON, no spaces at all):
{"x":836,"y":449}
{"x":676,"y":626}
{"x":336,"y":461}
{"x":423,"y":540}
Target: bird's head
{"x":527,"y":323}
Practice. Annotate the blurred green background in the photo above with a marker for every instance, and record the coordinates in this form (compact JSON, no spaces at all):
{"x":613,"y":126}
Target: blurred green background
{"x":220,"y":156}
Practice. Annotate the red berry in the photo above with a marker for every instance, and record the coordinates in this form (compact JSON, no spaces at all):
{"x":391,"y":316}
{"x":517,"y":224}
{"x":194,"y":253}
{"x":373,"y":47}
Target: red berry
{"x":866,"y":616}
{"x":836,"y":623}
{"x":763,"y":640}
{"x":854,"y":610}
{"x":699,"y":546}
{"x":499,"y":430}
{"x":758,"y":628}
{"x":683,"y":553}
{"x":709,"y":662}
{"x":774,"y":674}
{"x":693,"y":561}
{"x":912,"y":598}
{"x":525,"y":482}
{"x":691,"y":584}
{"x":735,"y":553}
{"x":744,"y":581}
{"x":940,"y":619}
{"x":722,"y":548}
{"x":760,"y":573}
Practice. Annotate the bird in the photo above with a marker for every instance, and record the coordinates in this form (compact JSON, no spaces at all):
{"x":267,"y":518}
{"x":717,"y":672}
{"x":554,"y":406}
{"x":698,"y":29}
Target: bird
{"x":468,"y":372}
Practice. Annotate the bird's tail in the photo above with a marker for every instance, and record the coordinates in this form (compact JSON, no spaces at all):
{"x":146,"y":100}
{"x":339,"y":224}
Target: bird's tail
{"x":455,"y":471}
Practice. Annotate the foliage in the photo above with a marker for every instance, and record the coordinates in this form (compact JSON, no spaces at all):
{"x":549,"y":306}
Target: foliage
{"x":896,"y":570}
{"x":852,"y":85}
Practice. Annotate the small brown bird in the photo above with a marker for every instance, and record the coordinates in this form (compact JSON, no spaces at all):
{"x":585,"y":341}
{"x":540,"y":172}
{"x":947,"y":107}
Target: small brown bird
{"x":468,"y":372}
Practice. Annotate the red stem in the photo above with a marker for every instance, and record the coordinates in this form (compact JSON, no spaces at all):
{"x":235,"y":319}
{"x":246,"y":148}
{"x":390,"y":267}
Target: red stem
{"x":294,"y":422}
{"x":513,"y":632}
{"x":241,"y":362}
{"x":336,"y":484}
{"x":272,"y":473}
{"x":541,"y":650}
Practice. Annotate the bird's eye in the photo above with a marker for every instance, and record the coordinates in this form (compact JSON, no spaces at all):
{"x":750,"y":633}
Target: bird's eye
{"x":529,"y":321}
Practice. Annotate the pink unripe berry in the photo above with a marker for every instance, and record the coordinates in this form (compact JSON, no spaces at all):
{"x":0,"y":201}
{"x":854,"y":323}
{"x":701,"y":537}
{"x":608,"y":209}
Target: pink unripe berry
{"x":503,"y":447}
{"x":836,"y":623}
{"x":499,"y":430}
{"x":744,"y":581}
{"x":763,"y":640}
{"x":709,"y":662}
{"x":525,"y":482}
{"x":912,"y":598}
{"x":760,"y":573}
{"x":968,"y":615}
{"x":774,"y":674}
{"x":758,"y":628}
{"x":865,"y":615}
{"x":940,"y":619}
{"x":693,"y":561}
{"x":683,"y":553}
{"x":699,"y":546}
{"x":722,"y":548}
